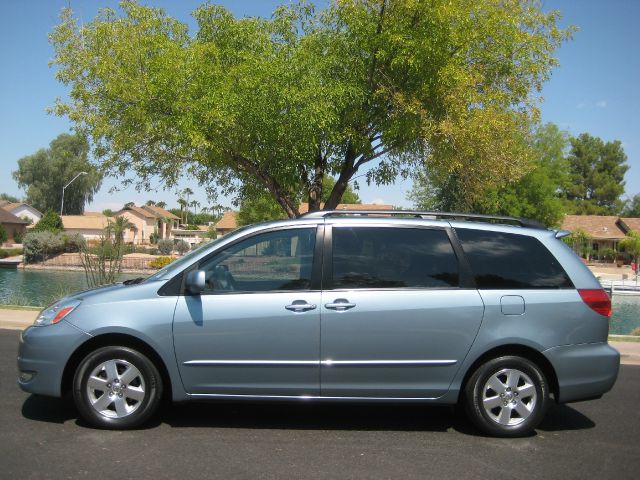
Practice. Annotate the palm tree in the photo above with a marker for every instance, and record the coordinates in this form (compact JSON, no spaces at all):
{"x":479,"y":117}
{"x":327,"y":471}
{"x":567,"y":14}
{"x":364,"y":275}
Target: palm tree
{"x":195,"y":204}
{"x":183,"y":203}
{"x":118,"y":228}
{"x":187,"y":192}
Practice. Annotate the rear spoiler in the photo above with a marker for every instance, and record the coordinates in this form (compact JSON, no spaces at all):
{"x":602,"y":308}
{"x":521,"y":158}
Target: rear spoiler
{"x":562,"y":233}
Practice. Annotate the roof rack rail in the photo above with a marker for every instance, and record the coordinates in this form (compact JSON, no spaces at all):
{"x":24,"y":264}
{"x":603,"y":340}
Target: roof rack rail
{"x":520,"y":221}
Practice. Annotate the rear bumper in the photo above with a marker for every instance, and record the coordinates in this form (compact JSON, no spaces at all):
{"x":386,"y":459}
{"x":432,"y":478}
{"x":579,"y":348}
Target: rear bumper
{"x":43,"y":354}
{"x":584,"y":371}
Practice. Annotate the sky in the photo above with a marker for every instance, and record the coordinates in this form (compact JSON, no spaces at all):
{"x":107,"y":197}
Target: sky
{"x":594,"y":90}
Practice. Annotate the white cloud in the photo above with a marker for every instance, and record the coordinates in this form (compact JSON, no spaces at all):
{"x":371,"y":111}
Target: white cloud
{"x":601,"y":104}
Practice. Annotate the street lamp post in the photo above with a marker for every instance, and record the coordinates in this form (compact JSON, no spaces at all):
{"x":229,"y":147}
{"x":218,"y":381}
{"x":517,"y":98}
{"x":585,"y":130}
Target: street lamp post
{"x":63,"y":189}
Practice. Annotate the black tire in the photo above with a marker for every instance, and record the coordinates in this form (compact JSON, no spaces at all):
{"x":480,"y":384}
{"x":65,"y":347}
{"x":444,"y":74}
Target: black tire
{"x":504,"y":419}
{"x":129,"y":412}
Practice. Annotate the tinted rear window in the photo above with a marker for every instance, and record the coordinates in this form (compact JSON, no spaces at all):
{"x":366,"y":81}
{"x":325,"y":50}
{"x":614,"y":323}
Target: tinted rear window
{"x":510,"y":261}
{"x":365,"y":257}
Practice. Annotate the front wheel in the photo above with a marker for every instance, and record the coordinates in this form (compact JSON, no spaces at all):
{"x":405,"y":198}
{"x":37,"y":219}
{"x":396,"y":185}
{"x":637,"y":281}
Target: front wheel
{"x":507,"y":396}
{"x":117,"y":388}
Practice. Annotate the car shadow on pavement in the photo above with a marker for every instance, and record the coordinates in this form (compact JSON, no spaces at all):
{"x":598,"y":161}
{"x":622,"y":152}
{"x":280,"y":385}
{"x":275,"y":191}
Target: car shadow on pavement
{"x":295,"y":416}
{"x":48,"y":409}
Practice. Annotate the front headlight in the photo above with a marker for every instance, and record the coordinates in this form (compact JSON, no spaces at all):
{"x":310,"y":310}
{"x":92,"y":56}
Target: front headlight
{"x":56,"y":312}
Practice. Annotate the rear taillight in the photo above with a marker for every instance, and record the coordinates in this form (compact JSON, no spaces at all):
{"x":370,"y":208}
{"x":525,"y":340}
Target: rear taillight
{"x":598,"y":300}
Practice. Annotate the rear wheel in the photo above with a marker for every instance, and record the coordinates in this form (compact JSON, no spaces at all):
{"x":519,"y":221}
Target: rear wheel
{"x":507,"y":396}
{"x":117,"y":388}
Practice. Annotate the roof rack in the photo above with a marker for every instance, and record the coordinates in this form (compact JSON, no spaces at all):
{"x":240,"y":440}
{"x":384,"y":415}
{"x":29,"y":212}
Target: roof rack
{"x":522,"y":222}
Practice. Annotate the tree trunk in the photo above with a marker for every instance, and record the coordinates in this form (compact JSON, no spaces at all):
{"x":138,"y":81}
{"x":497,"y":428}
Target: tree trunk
{"x":315,"y":190}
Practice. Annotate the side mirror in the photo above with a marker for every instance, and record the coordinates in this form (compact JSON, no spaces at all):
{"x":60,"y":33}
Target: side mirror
{"x":195,"y":281}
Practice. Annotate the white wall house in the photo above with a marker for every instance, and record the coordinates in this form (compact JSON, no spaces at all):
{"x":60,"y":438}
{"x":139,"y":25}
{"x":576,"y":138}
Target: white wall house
{"x":23,"y":211}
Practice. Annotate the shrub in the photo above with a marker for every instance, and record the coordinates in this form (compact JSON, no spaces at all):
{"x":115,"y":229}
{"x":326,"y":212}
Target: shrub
{"x":10,"y":252}
{"x":18,"y":235}
{"x":3,"y":254}
{"x":39,"y":245}
{"x":50,"y":222}
{"x":636,"y":331}
{"x":3,"y":235}
{"x":182,"y":247}
{"x":73,"y":242}
{"x":165,"y":247}
{"x":160,"y":262}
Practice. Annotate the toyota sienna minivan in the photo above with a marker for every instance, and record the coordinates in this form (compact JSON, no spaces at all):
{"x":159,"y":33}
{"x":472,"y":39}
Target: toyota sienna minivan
{"x":494,"y":313}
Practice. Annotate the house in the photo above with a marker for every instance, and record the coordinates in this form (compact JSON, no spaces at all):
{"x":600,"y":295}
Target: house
{"x":229,"y":220}
{"x":605,"y":231}
{"x":148,"y":220}
{"x":90,"y":225}
{"x":227,"y":223}
{"x":13,"y":225}
{"x":192,"y":237}
{"x":23,"y":211}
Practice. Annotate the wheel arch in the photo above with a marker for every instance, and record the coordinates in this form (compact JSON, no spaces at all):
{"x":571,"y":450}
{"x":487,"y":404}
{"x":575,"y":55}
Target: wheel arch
{"x":120,"y":340}
{"x":521,"y":351}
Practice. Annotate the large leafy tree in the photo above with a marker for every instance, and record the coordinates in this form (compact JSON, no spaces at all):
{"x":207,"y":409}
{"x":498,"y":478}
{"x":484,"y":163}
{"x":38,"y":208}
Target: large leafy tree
{"x":596,"y":180}
{"x":9,"y":198}
{"x":632,"y":207}
{"x":371,"y":86}
{"x":47,"y":171}
{"x":535,"y":195}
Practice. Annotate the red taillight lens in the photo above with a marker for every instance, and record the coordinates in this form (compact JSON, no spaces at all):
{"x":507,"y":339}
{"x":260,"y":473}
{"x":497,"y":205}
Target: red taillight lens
{"x":598,"y":300}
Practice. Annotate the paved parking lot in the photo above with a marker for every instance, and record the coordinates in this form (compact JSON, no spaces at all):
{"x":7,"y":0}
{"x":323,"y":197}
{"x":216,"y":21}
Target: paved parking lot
{"x":42,"y":438}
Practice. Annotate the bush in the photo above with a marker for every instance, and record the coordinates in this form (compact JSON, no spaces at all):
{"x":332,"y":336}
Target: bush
{"x":39,"y":245}
{"x":18,"y":235}
{"x":72,"y":242}
{"x":165,"y":247}
{"x":10,"y":252}
{"x":3,"y":254}
{"x":636,"y":332}
{"x":160,"y":262}
{"x":50,"y":222}
{"x":182,"y":247}
{"x":3,"y":235}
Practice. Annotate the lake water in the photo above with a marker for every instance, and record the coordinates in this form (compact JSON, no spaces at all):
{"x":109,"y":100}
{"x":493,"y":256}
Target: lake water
{"x":41,"y":287}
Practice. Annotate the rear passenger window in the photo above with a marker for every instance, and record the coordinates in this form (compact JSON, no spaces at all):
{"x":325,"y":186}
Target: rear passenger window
{"x":509,"y":261}
{"x":393,"y":258}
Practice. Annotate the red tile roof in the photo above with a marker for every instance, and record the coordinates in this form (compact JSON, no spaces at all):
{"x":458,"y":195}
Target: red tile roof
{"x":596,"y":226}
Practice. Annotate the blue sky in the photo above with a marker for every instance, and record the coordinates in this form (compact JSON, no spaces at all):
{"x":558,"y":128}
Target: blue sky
{"x":594,"y":90}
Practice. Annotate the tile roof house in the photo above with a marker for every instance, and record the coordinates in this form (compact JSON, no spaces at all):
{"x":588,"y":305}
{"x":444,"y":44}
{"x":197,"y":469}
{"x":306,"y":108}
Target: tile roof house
{"x":148,"y":219}
{"x":90,"y":225}
{"x":227,"y":223}
{"x":229,"y":220}
{"x":23,"y":211}
{"x":13,"y":225}
{"x":605,"y":231}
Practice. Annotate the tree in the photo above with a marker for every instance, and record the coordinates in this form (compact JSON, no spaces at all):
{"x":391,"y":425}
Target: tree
{"x":3,"y":235}
{"x":47,"y":171}
{"x":9,"y":198}
{"x":161,"y":204}
{"x":280,"y":103}
{"x":107,"y":212}
{"x":596,"y":176}
{"x":631,"y":245}
{"x":535,"y":195}
{"x":118,"y":227}
{"x":632,"y":207}
{"x":50,"y":222}
{"x":150,"y":203}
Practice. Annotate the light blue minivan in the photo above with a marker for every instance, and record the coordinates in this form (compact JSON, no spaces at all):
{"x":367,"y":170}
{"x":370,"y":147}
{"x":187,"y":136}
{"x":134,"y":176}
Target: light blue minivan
{"x":494,"y":313}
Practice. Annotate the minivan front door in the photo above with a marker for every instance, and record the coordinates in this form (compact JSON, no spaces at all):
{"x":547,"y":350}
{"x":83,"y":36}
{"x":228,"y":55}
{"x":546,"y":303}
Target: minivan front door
{"x":255,"y":330}
{"x":395,"y":321}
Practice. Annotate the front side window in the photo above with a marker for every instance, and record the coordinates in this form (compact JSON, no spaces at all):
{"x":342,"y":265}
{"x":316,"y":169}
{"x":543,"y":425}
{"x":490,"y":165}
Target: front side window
{"x":372,"y":257}
{"x":511,"y":261}
{"x":272,"y":261}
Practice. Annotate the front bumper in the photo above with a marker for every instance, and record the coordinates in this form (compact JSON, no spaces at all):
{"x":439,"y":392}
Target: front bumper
{"x":584,"y":371}
{"x":43,"y":353}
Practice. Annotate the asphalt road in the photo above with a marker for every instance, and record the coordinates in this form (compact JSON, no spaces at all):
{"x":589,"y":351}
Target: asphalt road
{"x":41,"y":438}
